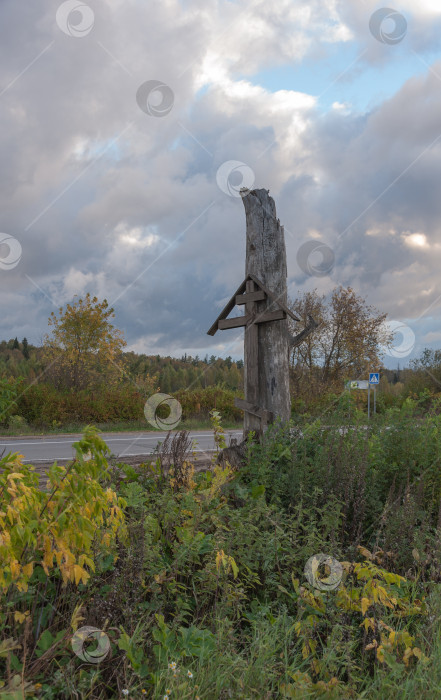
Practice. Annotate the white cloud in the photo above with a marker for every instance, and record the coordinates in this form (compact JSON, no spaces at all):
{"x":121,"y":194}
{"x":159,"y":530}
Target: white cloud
{"x":415,"y":240}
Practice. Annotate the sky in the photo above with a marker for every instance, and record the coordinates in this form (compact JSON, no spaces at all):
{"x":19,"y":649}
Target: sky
{"x":127,"y":128}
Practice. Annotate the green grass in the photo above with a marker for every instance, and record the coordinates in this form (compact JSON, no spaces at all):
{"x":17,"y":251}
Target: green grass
{"x":121,"y":426}
{"x":212,"y":575}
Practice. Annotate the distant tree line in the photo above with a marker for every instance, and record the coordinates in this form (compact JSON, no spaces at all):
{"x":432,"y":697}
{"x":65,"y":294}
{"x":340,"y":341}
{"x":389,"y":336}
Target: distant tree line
{"x":82,"y":368}
{"x":20,"y":359}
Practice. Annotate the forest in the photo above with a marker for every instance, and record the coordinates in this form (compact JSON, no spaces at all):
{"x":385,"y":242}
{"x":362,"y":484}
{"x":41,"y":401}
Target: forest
{"x":82,"y":373}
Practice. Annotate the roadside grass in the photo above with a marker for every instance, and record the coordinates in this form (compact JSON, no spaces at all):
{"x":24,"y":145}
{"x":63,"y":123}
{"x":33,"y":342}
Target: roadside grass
{"x":214,"y":589}
{"x":119,"y":427}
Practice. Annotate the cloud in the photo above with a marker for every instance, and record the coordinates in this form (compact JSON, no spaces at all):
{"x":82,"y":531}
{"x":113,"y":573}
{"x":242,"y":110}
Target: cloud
{"x":107,"y":199}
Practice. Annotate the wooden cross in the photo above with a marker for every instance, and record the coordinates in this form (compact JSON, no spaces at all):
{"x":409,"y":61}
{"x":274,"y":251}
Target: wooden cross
{"x":266,"y":343}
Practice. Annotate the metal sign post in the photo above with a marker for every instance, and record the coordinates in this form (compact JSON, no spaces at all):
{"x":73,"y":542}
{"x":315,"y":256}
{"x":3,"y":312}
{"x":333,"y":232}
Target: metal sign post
{"x":374,"y":380}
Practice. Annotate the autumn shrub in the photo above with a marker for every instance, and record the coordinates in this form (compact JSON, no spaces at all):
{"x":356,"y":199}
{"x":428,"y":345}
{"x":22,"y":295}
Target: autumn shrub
{"x":59,"y":525}
{"x":17,"y":422}
{"x":199,"y":402}
{"x":52,"y":535}
{"x":42,"y":404}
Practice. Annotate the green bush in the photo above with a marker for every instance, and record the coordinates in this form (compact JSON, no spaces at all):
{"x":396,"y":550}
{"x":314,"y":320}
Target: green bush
{"x":199,"y":402}
{"x":17,"y":422}
{"x":42,"y":404}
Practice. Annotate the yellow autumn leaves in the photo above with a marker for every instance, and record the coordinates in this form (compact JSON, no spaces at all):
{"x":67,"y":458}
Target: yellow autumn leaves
{"x":226,"y":563}
{"x":58,"y":527}
{"x":373,"y":592}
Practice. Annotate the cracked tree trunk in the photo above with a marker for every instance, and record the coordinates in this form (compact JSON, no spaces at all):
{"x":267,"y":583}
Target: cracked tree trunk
{"x":267,"y":374}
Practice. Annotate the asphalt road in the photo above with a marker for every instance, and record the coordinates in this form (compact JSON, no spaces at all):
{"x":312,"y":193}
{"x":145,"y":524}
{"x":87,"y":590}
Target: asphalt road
{"x":47,"y":448}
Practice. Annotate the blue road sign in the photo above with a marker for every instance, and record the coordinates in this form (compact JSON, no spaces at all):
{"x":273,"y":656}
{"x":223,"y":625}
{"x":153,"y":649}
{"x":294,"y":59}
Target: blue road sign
{"x":374,"y":378}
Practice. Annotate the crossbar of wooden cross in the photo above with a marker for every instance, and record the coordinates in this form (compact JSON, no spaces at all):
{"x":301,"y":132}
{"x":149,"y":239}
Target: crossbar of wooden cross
{"x":240,"y":297}
{"x":250,"y":293}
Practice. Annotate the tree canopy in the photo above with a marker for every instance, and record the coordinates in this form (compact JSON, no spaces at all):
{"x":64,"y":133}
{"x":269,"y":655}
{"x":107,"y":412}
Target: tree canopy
{"x":84,"y":348}
{"x":347,"y":343}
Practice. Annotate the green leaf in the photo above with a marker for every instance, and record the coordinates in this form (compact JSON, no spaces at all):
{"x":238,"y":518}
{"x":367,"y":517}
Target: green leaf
{"x":45,"y":642}
{"x":257,"y":491}
{"x":8,"y":645}
{"x":234,"y":567}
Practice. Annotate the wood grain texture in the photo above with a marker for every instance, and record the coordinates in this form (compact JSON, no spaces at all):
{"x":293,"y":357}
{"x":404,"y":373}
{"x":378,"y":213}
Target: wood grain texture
{"x":252,"y":296}
{"x":251,"y":364}
{"x":236,"y":322}
{"x":266,"y":260}
{"x":270,"y":316}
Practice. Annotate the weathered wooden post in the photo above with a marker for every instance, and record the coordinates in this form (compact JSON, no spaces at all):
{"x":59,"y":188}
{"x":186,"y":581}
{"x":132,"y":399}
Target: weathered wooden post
{"x":264,"y":294}
{"x":266,"y":260}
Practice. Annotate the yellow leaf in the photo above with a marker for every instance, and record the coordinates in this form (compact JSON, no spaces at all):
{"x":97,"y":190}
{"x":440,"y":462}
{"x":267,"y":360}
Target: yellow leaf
{"x":28,"y":569}
{"x":234,"y":566}
{"x":84,"y":559}
{"x":415,"y":554}
{"x":384,"y":626}
{"x":48,"y":558}
{"x":80,"y":574}
{"x":20,"y":617}
{"x":160,"y":578}
{"x":15,"y":569}
{"x":368,"y":623}
{"x":384,"y":598}
{"x":220,"y":556}
{"x":406,"y":656}
{"x":407,"y":638}
{"x":76,"y":617}
{"x":365,"y":552}
{"x":365,"y":604}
